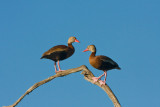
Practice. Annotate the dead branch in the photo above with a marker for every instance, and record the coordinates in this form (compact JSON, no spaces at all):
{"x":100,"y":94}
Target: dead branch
{"x":87,"y":75}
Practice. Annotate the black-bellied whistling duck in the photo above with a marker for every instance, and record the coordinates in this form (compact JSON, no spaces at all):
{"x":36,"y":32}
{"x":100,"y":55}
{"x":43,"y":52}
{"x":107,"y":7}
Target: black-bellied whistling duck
{"x":100,"y":62}
{"x":60,"y":52}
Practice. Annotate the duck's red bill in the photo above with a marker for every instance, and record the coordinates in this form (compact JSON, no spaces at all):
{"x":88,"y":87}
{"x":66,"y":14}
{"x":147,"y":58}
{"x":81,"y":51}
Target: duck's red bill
{"x":85,"y":50}
{"x":77,"y":41}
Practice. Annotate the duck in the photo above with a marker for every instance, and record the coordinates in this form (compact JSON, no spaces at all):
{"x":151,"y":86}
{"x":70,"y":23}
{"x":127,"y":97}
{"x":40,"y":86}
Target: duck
{"x":60,"y":52}
{"x":100,"y":62}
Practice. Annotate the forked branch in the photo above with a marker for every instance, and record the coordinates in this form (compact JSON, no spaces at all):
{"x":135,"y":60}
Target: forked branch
{"x":87,"y":75}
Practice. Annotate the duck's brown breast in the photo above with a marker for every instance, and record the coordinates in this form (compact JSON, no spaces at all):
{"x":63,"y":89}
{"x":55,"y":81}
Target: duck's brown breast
{"x":94,"y":61}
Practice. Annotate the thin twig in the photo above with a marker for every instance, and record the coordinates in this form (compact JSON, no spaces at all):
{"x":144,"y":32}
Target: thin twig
{"x":87,"y":75}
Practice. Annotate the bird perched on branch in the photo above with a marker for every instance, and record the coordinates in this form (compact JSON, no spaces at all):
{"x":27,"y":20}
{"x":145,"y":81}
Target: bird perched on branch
{"x":101,"y":62}
{"x":60,"y":52}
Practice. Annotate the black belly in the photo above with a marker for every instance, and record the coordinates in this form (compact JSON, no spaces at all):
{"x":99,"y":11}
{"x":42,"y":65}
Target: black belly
{"x":58,"y":55}
{"x":107,"y":66}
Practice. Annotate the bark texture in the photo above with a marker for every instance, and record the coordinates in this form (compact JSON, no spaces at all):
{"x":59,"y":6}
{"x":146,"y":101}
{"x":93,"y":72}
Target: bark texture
{"x":87,"y":76}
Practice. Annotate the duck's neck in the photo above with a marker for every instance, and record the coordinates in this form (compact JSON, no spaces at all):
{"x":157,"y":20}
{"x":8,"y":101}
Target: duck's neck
{"x":93,"y":54}
{"x":70,"y":45}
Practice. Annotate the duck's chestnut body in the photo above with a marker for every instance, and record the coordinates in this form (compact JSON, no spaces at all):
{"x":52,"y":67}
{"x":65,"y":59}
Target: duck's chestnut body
{"x":60,"y":52}
{"x":101,"y":62}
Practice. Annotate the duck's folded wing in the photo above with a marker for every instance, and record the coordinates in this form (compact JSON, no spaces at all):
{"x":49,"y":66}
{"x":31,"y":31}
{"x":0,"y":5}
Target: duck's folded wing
{"x":59,"y":48}
{"x":109,"y":63}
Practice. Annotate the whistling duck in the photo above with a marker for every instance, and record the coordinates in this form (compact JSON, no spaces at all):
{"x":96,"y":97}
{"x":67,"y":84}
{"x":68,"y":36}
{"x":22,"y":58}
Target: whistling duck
{"x":101,"y":62}
{"x":60,"y":52}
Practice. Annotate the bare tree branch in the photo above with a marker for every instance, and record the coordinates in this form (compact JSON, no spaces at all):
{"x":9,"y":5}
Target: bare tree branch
{"x":87,"y":75}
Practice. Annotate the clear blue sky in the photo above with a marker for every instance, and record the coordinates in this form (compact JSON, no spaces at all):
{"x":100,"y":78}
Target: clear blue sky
{"x":126,"y":31}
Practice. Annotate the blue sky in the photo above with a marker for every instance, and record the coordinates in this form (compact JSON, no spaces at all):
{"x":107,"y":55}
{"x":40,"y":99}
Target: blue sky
{"x":126,"y":31}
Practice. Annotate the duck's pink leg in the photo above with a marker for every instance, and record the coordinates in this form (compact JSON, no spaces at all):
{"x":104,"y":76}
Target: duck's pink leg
{"x":59,"y":67}
{"x":55,"y":67}
{"x":103,"y":82}
{"x":95,"y":79}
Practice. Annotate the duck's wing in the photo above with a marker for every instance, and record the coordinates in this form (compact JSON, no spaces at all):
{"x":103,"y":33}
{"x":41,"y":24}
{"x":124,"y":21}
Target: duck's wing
{"x":58,"y":48}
